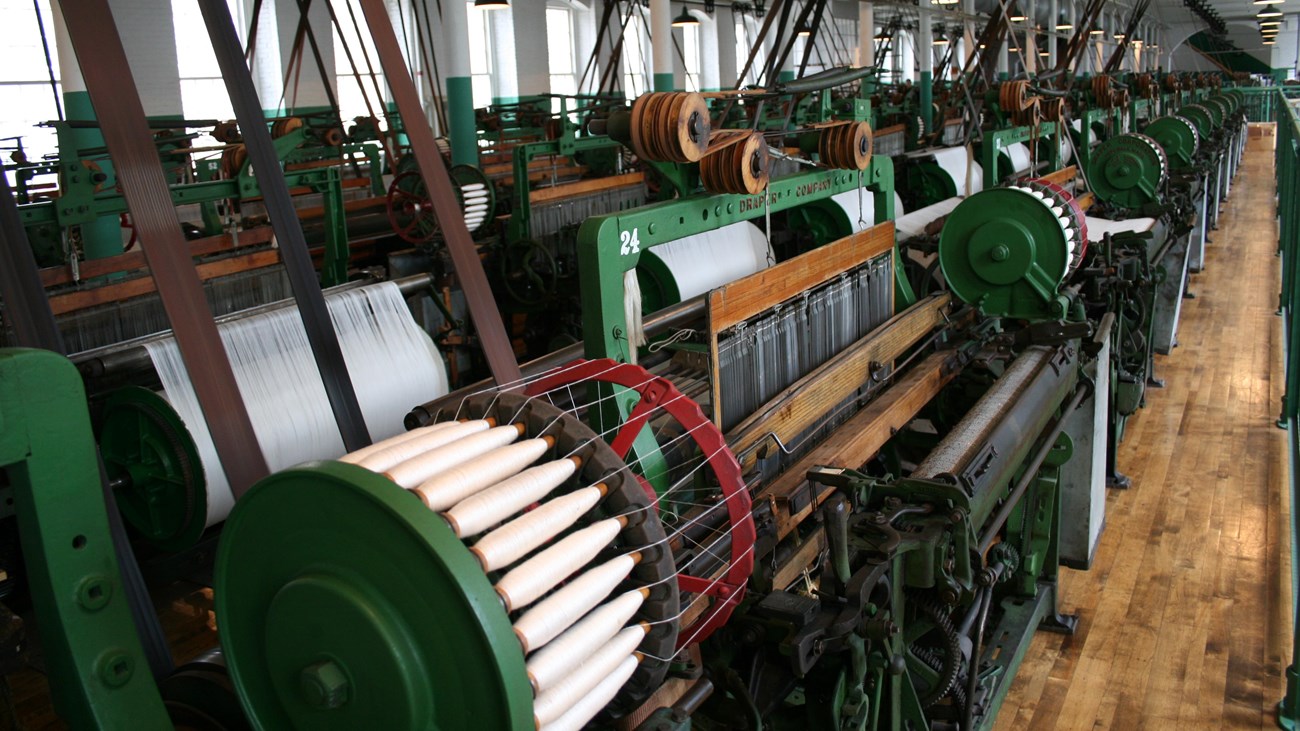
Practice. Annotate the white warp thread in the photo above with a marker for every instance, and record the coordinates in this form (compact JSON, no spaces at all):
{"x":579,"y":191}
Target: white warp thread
{"x":711,"y":259}
{"x":392,"y":362}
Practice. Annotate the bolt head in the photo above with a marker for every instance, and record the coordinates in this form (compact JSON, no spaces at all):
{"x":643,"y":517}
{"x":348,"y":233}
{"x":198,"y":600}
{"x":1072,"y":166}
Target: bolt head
{"x":324,"y":684}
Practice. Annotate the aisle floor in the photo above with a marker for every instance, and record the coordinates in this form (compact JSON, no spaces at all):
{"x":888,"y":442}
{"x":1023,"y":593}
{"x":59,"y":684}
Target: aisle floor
{"x":1185,"y":617}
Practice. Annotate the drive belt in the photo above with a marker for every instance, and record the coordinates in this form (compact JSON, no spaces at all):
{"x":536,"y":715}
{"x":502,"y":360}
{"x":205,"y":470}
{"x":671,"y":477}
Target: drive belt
{"x":140,"y":175}
{"x":26,"y":306}
{"x":288,"y":229}
{"x":469,"y":268}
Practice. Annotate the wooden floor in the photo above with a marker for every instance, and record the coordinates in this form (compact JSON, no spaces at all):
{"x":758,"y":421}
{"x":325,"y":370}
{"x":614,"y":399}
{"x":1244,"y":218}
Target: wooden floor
{"x":1184,"y":617}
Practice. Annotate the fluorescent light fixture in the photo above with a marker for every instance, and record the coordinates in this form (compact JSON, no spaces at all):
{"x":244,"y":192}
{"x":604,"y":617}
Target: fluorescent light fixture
{"x":1095,"y":31}
{"x":1119,"y":36}
{"x":1018,"y":17}
{"x":1065,"y":26}
{"x":1269,"y":2}
{"x":1269,"y":13}
{"x":491,"y":4}
{"x":940,"y":41}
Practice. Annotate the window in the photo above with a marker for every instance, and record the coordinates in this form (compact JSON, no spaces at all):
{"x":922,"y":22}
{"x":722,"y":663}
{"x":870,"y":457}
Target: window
{"x":203,"y":93}
{"x":691,"y":56}
{"x":351,"y":97}
{"x":559,"y":47}
{"x":25,"y":95}
{"x":635,"y":42}
{"x":480,"y":54}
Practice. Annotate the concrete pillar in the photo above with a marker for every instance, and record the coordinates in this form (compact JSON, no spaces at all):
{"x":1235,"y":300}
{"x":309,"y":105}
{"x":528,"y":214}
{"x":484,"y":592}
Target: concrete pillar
{"x":460,"y":88}
{"x":305,"y":91}
{"x":925,"y":51}
{"x":724,"y":27}
{"x":1004,"y":56}
{"x":968,"y":32}
{"x":268,"y":68}
{"x":661,"y":39}
{"x":531,"y":62}
{"x":866,"y":34}
{"x":711,"y":53}
{"x":508,"y":57}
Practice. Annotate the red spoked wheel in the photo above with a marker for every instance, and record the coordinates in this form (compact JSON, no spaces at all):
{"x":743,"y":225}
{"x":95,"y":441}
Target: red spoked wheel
{"x":1075,"y":214}
{"x":410,"y":210}
{"x":724,"y":588}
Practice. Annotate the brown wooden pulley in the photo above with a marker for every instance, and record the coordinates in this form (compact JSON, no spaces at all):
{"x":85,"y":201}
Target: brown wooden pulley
{"x":670,"y":126}
{"x":232,"y":161}
{"x":226,"y":132}
{"x":282,"y":127}
{"x":742,"y":167}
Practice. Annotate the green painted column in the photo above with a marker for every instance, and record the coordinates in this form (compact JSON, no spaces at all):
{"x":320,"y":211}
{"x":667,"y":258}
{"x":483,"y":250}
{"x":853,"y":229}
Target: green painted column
{"x":927,"y":99}
{"x":661,"y":44}
{"x":102,"y":237}
{"x":462,"y":132}
{"x":925,"y":64}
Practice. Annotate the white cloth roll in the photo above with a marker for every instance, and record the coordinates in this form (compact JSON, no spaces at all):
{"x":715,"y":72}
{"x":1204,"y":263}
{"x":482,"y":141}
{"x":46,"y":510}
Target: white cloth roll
{"x":705,"y":261}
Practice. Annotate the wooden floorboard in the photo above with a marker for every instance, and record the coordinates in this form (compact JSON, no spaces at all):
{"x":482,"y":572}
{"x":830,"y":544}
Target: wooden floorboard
{"x":1185,"y":618}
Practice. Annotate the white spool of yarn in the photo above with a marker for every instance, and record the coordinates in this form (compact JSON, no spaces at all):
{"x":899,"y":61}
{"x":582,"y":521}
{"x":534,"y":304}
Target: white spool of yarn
{"x":555,"y":702}
{"x":379,"y":446}
{"x":552,"y":663}
{"x":392,"y":363}
{"x":600,"y":696}
{"x":516,"y":539}
{"x":411,"y":472}
{"x":393,"y":455}
{"x":477,"y":513}
{"x":450,"y":487}
{"x":557,"y":612}
{"x":528,"y":581}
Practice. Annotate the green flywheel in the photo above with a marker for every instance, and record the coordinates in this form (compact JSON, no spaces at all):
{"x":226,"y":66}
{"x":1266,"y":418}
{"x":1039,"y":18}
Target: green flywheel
{"x":1006,"y":251}
{"x":344,"y":603}
{"x":1178,"y":137}
{"x":148,"y":450}
{"x":1198,"y":115}
{"x":1128,"y":170}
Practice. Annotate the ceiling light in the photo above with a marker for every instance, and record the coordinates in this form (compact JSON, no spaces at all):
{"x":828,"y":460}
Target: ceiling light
{"x":1018,"y":17}
{"x":802,"y":31}
{"x":1065,"y":26}
{"x":1268,"y":2}
{"x":944,"y":2}
{"x":1119,"y":36}
{"x":940,"y":41}
{"x":1269,"y":42}
{"x":1095,"y":31}
{"x":685,"y":18}
{"x":982,"y":46}
{"x":491,"y":4}
{"x":1269,"y":13}
{"x":1274,"y":23}
{"x":1044,"y":54}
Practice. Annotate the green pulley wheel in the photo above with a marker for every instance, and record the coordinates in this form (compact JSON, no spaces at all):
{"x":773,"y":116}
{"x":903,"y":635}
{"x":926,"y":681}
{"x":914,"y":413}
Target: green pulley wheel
{"x":1179,"y":139}
{"x":345,"y":603}
{"x":149,"y":452}
{"x":1128,"y":170}
{"x":1218,"y":111}
{"x":1007,"y":250}
{"x":1198,"y":115}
